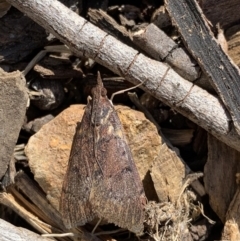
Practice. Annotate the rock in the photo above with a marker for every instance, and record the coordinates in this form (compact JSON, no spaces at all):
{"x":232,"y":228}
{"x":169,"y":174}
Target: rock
{"x":52,"y":93}
{"x":168,"y":172}
{"x":48,"y":150}
{"x":36,"y":124}
{"x":14,"y":97}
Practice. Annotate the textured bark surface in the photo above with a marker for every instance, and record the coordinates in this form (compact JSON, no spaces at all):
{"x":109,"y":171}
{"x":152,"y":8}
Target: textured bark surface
{"x":233,"y":37}
{"x":32,"y":214}
{"x":231,"y":231}
{"x":222,"y":11}
{"x":161,"y":47}
{"x":168,"y":173}
{"x":223,"y":74}
{"x":104,"y":21}
{"x":219,"y":175}
{"x":28,"y":187}
{"x":25,"y":210}
{"x":19,"y":36}
{"x":130,"y":46}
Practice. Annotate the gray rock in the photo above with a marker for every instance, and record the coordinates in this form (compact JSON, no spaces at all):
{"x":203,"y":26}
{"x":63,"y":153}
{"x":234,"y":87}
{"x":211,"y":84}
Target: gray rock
{"x":13,"y":103}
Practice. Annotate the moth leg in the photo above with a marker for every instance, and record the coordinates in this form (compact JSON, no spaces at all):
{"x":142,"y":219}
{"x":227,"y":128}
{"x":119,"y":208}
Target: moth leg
{"x":94,"y":229}
{"x":89,"y":98}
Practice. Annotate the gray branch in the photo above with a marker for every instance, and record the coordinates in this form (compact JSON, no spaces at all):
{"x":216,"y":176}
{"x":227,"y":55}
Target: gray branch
{"x":84,"y":38}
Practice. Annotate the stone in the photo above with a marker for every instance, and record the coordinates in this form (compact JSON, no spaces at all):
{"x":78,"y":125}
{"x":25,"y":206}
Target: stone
{"x":168,"y":173}
{"x":13,"y":99}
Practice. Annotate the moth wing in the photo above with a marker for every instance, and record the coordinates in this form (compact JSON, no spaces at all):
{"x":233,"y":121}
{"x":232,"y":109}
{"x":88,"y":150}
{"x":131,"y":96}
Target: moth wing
{"x":118,"y":196}
{"x":74,"y":203}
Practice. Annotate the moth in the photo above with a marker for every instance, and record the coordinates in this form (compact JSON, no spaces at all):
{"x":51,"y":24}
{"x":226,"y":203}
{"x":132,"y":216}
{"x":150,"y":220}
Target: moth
{"x":102,"y":179}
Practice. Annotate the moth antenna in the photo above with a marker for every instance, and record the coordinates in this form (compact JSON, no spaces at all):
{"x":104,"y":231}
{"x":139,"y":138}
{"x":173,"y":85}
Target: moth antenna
{"x":122,"y":91}
{"x":131,"y":88}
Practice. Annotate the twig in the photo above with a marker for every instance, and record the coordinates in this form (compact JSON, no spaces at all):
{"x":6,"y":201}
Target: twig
{"x":29,"y":188}
{"x":41,"y":54}
{"x":10,"y":232}
{"x":9,"y":201}
{"x":161,"y":47}
{"x":83,"y":37}
{"x":57,"y":235}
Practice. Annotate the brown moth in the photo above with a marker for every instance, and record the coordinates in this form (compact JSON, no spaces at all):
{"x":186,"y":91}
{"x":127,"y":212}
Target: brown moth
{"x":102,"y":180}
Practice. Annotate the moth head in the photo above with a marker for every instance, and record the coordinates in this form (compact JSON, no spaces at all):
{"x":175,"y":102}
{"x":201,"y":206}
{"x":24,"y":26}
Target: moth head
{"x":99,"y":90}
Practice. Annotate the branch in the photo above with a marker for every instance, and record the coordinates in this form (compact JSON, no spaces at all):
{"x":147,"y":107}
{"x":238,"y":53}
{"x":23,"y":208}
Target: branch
{"x":83,"y":37}
{"x":223,"y":74}
{"x":10,"y":232}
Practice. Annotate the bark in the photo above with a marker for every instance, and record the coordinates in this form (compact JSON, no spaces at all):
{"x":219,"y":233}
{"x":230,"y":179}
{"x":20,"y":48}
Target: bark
{"x":159,"y":46}
{"x":19,"y":36}
{"x":29,"y":188}
{"x":109,"y":25}
{"x":219,"y":175}
{"x":221,"y":11}
{"x":35,"y":215}
{"x":233,"y":37}
{"x":223,"y":74}
{"x":10,"y":201}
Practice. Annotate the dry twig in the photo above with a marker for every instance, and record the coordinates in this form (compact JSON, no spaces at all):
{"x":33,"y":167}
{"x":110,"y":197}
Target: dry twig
{"x":84,"y":38}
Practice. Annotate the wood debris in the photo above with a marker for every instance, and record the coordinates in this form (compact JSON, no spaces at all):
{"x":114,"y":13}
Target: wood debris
{"x":183,"y":135}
